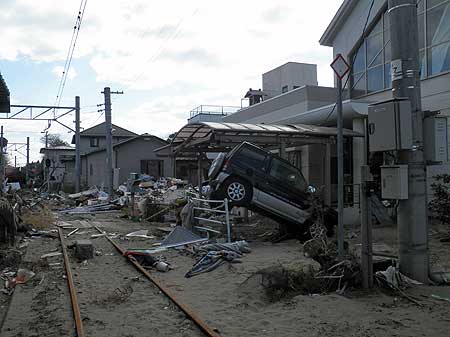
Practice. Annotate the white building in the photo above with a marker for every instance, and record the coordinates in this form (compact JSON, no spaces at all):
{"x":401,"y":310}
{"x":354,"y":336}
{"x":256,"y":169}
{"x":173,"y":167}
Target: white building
{"x":60,"y":170}
{"x":368,"y":82}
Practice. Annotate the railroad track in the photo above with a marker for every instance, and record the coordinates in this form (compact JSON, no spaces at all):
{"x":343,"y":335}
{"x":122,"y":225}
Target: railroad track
{"x":80,"y":330}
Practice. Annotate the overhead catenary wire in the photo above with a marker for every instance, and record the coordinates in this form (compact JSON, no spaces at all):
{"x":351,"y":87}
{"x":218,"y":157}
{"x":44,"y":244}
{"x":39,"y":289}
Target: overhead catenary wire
{"x":72,"y":45}
{"x":163,"y":46}
{"x":353,"y":61}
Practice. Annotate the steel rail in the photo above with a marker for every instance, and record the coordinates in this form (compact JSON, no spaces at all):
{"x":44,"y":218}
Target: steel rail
{"x":189,"y":313}
{"x":73,"y":295}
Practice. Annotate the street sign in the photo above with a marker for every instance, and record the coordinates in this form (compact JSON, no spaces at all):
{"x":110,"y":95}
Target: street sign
{"x":340,"y":66}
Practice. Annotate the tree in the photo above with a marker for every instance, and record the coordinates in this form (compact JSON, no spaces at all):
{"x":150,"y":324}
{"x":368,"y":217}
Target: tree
{"x":53,"y":140}
{"x":440,"y":204}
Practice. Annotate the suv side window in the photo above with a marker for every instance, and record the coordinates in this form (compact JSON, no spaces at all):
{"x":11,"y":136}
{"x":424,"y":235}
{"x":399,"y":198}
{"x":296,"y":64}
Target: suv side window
{"x":250,"y":157}
{"x":287,"y":174}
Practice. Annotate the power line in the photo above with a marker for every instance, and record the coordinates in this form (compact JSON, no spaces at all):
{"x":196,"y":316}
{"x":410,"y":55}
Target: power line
{"x":352,"y":63}
{"x":163,"y":46}
{"x":73,"y":42}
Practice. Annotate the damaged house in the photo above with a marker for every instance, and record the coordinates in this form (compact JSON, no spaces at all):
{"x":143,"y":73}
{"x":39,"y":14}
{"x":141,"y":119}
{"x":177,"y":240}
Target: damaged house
{"x":130,"y":155}
{"x":59,"y":167}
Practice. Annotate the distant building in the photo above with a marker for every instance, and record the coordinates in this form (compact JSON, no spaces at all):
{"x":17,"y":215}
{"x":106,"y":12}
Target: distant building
{"x":61,"y":169}
{"x":287,"y":77}
{"x":132,"y":155}
{"x":210,"y":113}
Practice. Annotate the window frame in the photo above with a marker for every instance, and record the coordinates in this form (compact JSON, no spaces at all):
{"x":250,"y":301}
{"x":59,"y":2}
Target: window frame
{"x":94,"y":141}
{"x":425,"y":52}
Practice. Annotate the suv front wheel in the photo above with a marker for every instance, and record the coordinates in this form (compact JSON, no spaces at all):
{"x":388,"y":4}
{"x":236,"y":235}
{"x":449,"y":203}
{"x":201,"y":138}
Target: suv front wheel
{"x":237,"y":191}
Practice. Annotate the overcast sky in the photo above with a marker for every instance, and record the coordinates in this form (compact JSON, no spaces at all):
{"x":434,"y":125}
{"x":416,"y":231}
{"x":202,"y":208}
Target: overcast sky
{"x":167,"y":56}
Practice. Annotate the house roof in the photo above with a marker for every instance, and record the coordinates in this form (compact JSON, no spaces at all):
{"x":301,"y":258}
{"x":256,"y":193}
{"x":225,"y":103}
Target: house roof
{"x":145,"y":135}
{"x":100,"y":130}
{"x":57,"y":148}
{"x":338,"y":20}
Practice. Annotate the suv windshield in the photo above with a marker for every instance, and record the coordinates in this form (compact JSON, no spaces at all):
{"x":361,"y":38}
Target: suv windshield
{"x":288,"y":174}
{"x":251,"y":157}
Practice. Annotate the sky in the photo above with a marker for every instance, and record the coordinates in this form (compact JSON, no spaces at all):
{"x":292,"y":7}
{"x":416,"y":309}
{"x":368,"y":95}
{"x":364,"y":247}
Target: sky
{"x":168,"y":57}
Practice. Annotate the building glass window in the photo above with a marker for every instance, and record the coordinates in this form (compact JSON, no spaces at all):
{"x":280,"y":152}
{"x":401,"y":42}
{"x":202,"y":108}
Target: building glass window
{"x":371,"y":60}
{"x":94,"y":141}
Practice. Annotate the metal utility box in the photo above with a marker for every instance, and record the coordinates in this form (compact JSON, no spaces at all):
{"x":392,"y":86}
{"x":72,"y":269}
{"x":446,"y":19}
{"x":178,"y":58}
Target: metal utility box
{"x":394,"y":182}
{"x":390,"y":125}
{"x":435,"y":138}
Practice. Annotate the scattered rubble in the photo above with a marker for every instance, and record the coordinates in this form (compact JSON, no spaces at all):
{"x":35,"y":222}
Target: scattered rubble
{"x":84,"y":250}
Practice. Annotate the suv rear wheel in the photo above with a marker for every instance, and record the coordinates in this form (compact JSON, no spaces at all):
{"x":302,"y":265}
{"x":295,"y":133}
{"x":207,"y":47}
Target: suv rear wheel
{"x":237,"y":191}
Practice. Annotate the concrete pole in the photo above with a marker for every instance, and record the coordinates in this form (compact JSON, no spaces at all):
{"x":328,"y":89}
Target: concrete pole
{"x":327,"y":181}
{"x":109,"y":152}
{"x":77,"y":145}
{"x":340,"y":162}
{"x":366,"y":229}
{"x":199,"y":173}
{"x":412,"y":213}
{"x":27,"y":175}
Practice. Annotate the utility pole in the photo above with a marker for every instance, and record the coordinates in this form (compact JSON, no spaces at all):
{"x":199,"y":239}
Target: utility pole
{"x":15,"y":161}
{"x":46,"y":139}
{"x":109,"y":145}
{"x":77,"y":145}
{"x":366,"y":227}
{"x":412,"y":212}
{"x":28,"y":160}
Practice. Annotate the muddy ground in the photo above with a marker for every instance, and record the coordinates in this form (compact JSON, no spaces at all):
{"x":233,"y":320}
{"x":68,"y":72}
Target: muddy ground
{"x":116,"y":300}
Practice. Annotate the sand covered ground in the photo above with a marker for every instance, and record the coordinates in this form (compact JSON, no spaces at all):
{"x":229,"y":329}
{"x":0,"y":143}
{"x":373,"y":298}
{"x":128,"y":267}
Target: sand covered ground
{"x":116,"y":300}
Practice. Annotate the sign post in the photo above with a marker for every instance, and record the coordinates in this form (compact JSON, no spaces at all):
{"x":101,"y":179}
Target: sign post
{"x":341,"y":68}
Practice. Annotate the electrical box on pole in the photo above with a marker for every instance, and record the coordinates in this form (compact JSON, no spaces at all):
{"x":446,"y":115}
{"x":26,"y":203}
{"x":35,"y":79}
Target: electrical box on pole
{"x":394,"y":182}
{"x":435,"y":140}
{"x":390,"y":125}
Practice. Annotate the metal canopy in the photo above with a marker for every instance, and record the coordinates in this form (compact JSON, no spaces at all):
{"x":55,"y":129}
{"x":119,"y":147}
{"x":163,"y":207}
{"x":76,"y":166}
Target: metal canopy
{"x":221,"y":137}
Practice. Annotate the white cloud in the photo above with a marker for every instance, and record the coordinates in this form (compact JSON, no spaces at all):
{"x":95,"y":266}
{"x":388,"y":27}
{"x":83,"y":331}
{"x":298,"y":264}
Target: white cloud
{"x":218,"y":49}
{"x":58,"y":71}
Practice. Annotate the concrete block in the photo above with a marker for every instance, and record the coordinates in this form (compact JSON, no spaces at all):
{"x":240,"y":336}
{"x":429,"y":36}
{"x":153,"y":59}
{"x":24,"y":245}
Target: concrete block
{"x":84,"y":249}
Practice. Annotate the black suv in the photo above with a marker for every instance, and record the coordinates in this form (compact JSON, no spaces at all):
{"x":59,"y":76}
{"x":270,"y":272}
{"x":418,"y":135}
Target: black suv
{"x":259,"y":180}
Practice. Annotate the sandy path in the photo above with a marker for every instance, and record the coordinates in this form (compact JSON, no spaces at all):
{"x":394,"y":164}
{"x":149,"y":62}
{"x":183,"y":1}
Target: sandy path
{"x":116,"y":300}
{"x":220,"y":299}
{"x":42,"y":306}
